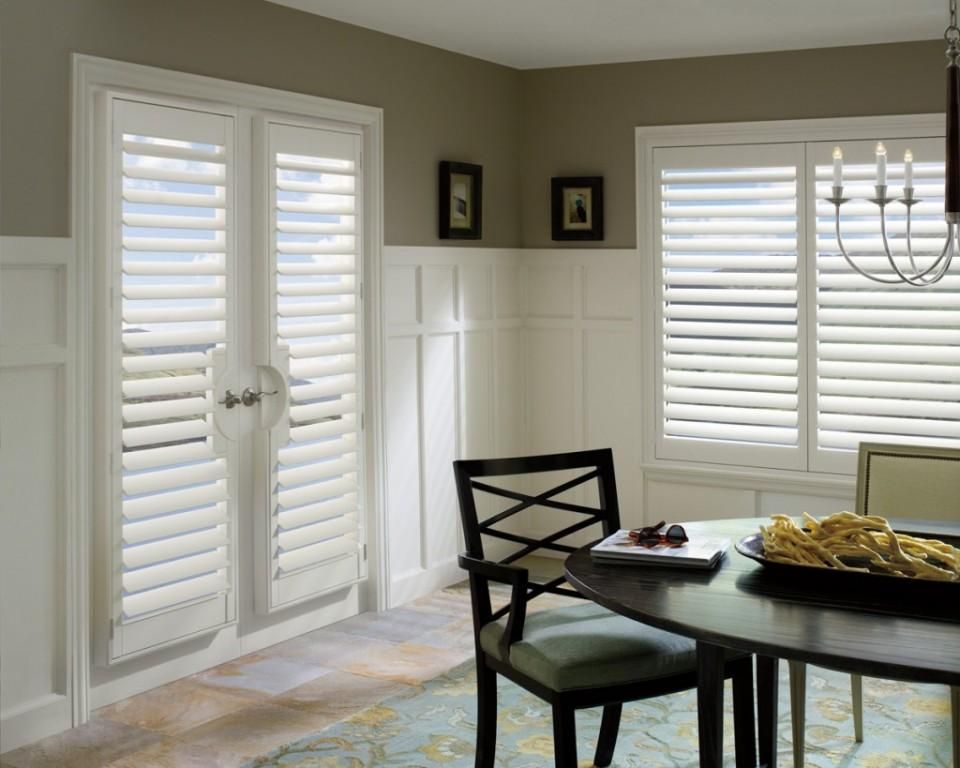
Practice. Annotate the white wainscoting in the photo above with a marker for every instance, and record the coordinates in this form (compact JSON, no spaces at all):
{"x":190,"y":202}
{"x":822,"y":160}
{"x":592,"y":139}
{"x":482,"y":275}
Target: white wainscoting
{"x":583,"y":390}
{"x":36,"y":432}
{"x":583,"y":366}
{"x":455,"y":357}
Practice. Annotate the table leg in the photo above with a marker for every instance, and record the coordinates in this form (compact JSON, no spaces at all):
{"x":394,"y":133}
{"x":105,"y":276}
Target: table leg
{"x":710,"y":666}
{"x":767,"y":700}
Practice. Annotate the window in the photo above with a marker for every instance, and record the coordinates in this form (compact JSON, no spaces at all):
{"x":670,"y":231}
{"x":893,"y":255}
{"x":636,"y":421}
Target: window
{"x":233,"y":376}
{"x":729,"y":231}
{"x":769,"y":351}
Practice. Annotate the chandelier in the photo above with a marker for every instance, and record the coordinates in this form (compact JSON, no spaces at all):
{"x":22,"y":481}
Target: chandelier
{"x":914,"y":274}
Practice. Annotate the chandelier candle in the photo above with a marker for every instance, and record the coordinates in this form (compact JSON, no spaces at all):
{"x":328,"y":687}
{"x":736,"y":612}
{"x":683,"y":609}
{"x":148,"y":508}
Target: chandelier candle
{"x":881,"y":165}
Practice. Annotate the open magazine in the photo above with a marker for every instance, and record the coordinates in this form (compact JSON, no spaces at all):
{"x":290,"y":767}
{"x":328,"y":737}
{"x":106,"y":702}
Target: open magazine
{"x":696,"y":553}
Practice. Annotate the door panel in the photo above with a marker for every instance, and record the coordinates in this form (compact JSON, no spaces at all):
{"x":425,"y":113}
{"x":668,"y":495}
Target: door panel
{"x":314,"y":540}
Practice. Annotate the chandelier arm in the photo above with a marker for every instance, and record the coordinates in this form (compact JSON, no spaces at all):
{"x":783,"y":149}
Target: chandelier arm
{"x":939,"y":267}
{"x":909,"y":241}
{"x":948,"y":252}
{"x":917,"y":278}
{"x":853,"y":265}
{"x":946,"y":256}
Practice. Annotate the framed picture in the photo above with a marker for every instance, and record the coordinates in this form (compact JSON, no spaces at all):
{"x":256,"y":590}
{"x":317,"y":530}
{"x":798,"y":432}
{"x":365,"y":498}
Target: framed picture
{"x":461,"y":201}
{"x":577,"y":207}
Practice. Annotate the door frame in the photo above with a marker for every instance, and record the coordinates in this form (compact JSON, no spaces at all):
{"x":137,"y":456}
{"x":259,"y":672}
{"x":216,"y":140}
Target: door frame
{"x":92,"y":78}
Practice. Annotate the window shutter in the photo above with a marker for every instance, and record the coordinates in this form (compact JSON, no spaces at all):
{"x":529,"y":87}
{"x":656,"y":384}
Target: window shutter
{"x":726,"y":234}
{"x":888,"y":365}
{"x":173,"y":533}
{"x":315,"y":536}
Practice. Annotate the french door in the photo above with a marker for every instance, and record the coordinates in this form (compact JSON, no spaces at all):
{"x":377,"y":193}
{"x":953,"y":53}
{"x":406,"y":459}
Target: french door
{"x":231,"y":380}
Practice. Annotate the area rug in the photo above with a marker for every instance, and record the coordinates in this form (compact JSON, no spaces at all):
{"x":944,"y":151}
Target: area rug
{"x":904,"y":725}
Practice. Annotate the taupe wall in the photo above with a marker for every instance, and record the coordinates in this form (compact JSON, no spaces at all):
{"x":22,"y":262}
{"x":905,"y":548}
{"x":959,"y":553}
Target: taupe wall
{"x":523,"y":127}
{"x":437,"y":105}
{"x":580,"y":121}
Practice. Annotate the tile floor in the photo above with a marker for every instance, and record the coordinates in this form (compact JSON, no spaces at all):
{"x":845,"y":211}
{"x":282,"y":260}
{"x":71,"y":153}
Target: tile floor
{"x":224,"y":716}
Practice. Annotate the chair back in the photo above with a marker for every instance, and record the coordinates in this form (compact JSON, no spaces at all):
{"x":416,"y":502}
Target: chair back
{"x":908,"y":481}
{"x":476,"y":476}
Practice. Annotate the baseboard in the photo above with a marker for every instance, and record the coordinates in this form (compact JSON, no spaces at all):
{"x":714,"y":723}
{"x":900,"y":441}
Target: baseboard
{"x":410,"y":586}
{"x":34,"y":720}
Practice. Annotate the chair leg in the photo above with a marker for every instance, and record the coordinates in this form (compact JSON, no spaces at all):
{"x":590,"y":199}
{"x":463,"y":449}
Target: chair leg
{"x":744,"y":733}
{"x":768,"y":709}
{"x":798,"y":708}
{"x":607,"y":740}
{"x":955,"y":723}
{"x":564,"y":735}
{"x":486,"y":715}
{"x":856,"y":694}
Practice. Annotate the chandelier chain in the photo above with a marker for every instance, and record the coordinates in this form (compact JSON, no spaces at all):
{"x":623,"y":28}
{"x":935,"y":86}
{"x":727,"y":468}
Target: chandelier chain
{"x":952,"y":33}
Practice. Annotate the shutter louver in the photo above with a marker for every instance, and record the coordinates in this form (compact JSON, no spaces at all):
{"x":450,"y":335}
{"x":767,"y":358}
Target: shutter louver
{"x":316,"y":529}
{"x":888,"y":367}
{"x":172,"y":172}
{"x":728,"y":248}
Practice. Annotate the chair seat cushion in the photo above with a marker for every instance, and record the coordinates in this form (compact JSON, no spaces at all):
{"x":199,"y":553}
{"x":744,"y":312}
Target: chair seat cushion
{"x":587,"y":646}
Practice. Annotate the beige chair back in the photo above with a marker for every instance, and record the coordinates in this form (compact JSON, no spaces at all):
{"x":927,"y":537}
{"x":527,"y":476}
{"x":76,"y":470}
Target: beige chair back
{"x":908,"y":481}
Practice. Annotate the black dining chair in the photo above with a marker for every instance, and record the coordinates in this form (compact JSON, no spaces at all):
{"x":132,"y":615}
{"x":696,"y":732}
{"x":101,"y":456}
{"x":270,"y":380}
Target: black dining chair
{"x":573,"y":656}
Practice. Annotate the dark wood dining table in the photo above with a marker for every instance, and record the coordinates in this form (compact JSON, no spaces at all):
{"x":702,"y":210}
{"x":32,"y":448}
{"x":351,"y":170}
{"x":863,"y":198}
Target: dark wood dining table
{"x":873,"y":625}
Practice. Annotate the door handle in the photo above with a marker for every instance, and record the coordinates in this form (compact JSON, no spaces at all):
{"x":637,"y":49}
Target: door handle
{"x":249,"y":397}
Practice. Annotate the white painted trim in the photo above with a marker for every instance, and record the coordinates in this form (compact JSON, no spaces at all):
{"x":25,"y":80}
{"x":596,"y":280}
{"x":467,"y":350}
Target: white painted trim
{"x":93,"y":72}
{"x":775,"y":480}
{"x":409,"y":587}
{"x":792,"y":131}
{"x":375,"y":590}
{"x":56,"y":711}
{"x":35,"y":720}
{"x":94,"y":76}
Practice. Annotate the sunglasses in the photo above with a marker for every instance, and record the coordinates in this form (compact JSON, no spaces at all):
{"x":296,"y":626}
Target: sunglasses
{"x":653,"y":535}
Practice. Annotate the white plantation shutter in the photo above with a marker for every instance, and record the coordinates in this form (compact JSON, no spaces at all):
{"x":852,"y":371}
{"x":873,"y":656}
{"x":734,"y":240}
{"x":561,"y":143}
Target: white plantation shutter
{"x":727,"y":235}
{"x":172,"y":569}
{"x":315,"y":536}
{"x":888,"y":367}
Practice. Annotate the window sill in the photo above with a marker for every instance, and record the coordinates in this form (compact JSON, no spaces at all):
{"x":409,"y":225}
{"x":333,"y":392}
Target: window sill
{"x":771,"y":480}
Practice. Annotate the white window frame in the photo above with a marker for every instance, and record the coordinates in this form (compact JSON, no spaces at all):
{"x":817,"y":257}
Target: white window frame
{"x":93,"y":78}
{"x":648,"y":139}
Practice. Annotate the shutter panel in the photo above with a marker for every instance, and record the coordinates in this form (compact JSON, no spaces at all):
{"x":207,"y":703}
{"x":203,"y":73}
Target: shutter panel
{"x":173,"y":533}
{"x":888,"y":367}
{"x":316,"y":531}
{"x":726,"y":235}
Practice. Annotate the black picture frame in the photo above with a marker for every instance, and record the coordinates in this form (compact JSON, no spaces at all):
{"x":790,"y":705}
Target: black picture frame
{"x":460,"y":209}
{"x":576,"y":207}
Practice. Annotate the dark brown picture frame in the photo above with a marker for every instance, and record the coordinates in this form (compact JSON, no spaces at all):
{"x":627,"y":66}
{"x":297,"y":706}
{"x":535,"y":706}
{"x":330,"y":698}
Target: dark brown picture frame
{"x":576,"y":207}
{"x":461,"y":201}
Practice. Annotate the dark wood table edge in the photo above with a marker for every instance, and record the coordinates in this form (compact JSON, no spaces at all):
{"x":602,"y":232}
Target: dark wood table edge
{"x":710,"y":651}
{"x":871,"y":668}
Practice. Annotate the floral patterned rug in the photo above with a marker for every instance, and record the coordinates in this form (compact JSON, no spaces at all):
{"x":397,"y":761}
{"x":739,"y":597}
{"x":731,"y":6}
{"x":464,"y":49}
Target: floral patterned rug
{"x":904,"y":725}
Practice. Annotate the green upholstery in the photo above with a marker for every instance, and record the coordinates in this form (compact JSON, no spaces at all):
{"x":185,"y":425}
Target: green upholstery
{"x":587,"y":646}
